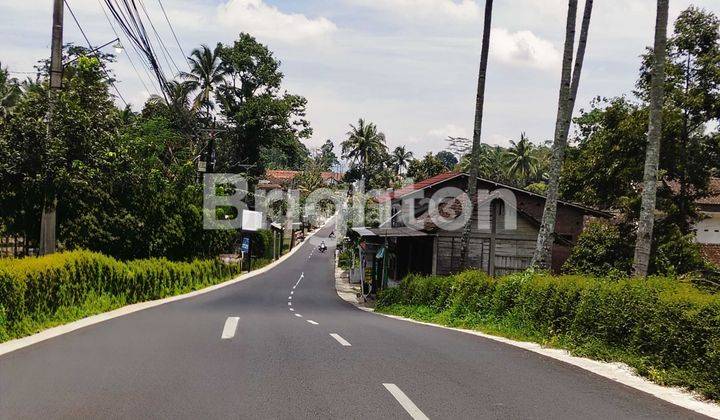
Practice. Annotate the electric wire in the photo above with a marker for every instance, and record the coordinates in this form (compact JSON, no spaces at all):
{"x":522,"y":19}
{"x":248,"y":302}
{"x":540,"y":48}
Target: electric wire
{"x":172,"y":30}
{"x":128,"y":55}
{"x":90,"y":45}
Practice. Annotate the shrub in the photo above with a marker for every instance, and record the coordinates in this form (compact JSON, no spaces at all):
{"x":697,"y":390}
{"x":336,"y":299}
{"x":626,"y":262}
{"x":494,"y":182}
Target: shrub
{"x":601,"y":249}
{"x":668,"y":330}
{"x":33,"y":291}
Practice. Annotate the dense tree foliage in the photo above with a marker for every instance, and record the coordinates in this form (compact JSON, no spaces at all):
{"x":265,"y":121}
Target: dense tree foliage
{"x":127,"y":183}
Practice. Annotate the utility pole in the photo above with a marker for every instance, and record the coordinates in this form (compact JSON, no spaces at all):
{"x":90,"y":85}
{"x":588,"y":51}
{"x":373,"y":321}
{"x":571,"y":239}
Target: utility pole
{"x":48,"y":218}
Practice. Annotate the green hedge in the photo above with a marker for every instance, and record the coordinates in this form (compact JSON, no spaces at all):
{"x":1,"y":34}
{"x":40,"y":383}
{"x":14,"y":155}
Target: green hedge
{"x":668,"y":330}
{"x":36,"y":293}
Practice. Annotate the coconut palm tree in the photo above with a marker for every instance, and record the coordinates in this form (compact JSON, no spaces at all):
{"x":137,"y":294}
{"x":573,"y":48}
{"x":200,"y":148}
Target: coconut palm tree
{"x":9,"y":92}
{"x":477,"y":132}
{"x":521,"y":160}
{"x":646,"y":222}
{"x":178,"y":97}
{"x":206,"y":73}
{"x":400,"y":159}
{"x":569,"y":83}
{"x":365,"y":146}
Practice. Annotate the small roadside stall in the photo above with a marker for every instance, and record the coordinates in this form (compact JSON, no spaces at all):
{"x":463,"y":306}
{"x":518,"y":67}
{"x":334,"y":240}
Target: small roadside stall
{"x":388,"y":255}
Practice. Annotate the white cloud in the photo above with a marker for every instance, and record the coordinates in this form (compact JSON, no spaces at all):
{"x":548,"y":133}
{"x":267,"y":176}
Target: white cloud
{"x":268,"y":22}
{"x":450,"y":130}
{"x":523,"y":48}
{"x":462,"y":10}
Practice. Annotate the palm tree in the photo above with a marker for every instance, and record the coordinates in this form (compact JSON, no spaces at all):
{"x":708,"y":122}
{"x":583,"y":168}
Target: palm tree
{"x":400,"y":159}
{"x":521,"y":160}
{"x":646,"y":222}
{"x":365,"y":146}
{"x":476,"y":144}
{"x":9,"y":92}
{"x":178,"y":97}
{"x":569,"y":83}
{"x":206,"y":73}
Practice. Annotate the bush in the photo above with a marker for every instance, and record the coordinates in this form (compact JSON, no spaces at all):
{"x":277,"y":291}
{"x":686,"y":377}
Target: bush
{"x":668,"y":330}
{"x":600,"y":250}
{"x":35,"y":292}
{"x":605,"y":249}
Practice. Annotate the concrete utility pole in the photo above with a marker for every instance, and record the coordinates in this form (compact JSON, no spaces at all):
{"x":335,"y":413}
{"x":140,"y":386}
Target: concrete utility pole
{"x":48,"y":218}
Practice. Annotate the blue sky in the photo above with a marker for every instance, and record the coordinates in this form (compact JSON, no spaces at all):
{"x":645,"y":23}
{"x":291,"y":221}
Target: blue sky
{"x":408,"y":65}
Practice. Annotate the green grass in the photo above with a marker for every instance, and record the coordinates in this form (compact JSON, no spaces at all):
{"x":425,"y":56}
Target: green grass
{"x":668,"y":332}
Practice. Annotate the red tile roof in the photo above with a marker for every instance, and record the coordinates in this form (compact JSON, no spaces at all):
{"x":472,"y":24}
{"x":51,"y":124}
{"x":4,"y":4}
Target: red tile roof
{"x":713,"y":188}
{"x":711,"y":253}
{"x":417,"y":186}
{"x":450,"y":175}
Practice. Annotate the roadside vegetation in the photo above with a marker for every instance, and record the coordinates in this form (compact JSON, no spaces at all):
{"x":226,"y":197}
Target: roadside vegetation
{"x":41,"y":292}
{"x":667,"y":330}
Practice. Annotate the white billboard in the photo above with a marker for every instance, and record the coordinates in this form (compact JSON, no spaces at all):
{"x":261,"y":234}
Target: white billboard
{"x":252,"y":221}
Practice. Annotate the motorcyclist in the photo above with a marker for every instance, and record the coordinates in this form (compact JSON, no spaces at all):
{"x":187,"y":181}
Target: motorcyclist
{"x":323,"y":247}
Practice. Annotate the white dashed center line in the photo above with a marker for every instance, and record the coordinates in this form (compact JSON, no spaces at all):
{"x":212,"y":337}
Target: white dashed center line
{"x":340,"y":340}
{"x":312,"y":322}
{"x":289,"y":303}
{"x":298,"y":315}
{"x":292,"y":310}
{"x":405,"y":402}
{"x":229,"y":328}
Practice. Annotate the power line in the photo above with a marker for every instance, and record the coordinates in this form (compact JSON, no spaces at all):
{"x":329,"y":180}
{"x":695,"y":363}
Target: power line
{"x":177,"y":40}
{"x":163,"y":48}
{"x":130,"y":21}
{"x":102,"y":65}
{"x":128,"y":55}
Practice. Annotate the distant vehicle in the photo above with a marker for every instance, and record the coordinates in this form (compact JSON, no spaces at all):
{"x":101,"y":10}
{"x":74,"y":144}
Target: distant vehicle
{"x":322,"y":248}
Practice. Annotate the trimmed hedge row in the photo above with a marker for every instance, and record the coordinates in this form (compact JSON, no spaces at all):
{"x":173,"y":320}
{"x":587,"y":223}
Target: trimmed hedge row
{"x":34,"y":292}
{"x":668,"y":330}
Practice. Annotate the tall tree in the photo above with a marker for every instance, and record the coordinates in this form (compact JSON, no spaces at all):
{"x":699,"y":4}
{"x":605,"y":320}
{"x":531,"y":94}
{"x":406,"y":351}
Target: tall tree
{"x":9,"y":93}
{"x":477,"y":132}
{"x":365,"y":146}
{"x":207,"y":72}
{"x":692,"y":86}
{"x":569,"y":83}
{"x":265,"y":126}
{"x":521,"y":160}
{"x":646,"y":223}
{"x":427,"y":167}
{"x":400,"y":159}
{"x":447,"y":158}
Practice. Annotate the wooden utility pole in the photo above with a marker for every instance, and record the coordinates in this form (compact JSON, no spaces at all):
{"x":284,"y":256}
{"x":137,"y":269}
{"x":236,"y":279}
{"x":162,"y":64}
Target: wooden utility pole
{"x":48,"y":218}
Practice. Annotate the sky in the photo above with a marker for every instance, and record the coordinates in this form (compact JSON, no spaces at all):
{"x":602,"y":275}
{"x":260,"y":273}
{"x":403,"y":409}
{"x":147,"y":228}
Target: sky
{"x":410,"y":66}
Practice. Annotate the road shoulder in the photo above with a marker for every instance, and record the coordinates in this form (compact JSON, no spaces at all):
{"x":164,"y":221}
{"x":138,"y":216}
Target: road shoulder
{"x":618,"y":372}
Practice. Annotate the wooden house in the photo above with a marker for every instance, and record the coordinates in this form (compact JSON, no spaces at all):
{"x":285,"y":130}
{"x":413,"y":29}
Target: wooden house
{"x":504,"y":229}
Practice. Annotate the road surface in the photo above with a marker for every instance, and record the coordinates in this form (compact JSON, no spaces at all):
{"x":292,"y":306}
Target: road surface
{"x":283,"y":345}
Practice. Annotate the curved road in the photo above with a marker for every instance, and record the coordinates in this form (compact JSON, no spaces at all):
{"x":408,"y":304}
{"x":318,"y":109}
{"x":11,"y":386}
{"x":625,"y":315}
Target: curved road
{"x":172,"y":361}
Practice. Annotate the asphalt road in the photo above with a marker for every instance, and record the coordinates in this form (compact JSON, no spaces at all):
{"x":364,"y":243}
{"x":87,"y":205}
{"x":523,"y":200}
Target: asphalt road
{"x":248,"y":351}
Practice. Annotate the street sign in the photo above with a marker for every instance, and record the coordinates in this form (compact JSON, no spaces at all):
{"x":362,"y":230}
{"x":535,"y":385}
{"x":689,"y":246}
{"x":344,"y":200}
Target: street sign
{"x":245,"y":247}
{"x":202,"y":166}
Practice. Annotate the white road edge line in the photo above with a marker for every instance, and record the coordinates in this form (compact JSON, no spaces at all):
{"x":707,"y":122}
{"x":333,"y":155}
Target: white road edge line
{"x":340,"y":340}
{"x":312,"y":322}
{"x":230,"y":326}
{"x":19,"y":343}
{"x":405,"y":402}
